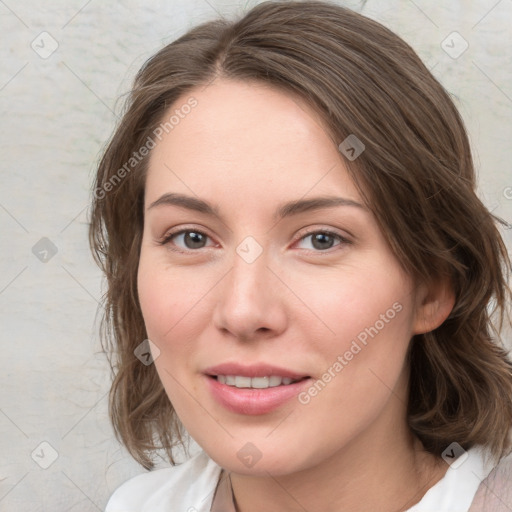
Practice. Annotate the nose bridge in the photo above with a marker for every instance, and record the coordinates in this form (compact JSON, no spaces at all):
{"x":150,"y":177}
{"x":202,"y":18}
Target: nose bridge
{"x":248,"y":280}
{"x":249,"y":299}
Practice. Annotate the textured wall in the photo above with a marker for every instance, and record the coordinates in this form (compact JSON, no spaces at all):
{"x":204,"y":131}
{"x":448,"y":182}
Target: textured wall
{"x":64,"y":64}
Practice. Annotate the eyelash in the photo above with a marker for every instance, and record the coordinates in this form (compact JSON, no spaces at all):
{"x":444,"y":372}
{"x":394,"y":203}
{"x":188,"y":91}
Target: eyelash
{"x":167,"y":239}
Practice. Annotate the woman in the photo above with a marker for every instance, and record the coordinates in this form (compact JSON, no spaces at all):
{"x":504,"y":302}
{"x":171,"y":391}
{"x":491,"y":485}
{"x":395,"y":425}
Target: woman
{"x":300,"y":276}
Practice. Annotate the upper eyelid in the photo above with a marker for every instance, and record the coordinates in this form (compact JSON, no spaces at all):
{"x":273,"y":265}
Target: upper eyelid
{"x":312,"y":231}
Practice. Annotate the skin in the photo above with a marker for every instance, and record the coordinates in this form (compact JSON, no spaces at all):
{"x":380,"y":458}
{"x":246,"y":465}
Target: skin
{"x":247,"y":148}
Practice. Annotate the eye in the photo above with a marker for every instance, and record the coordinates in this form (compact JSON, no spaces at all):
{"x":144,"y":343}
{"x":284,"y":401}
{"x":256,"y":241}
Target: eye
{"x":186,"y":239}
{"x":191,"y":239}
{"x":323,"y":240}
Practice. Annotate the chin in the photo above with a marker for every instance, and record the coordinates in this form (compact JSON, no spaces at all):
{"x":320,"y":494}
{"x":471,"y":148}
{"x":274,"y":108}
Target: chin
{"x":248,"y":459}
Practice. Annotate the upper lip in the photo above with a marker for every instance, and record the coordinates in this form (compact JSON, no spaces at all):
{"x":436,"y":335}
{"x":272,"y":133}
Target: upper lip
{"x":253,"y":370}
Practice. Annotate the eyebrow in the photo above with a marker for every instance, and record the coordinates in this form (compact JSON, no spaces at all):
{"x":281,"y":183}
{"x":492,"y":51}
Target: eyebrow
{"x":285,"y":210}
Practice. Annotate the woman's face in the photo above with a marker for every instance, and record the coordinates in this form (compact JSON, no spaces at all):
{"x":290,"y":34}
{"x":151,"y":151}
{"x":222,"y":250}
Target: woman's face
{"x":262,"y":275}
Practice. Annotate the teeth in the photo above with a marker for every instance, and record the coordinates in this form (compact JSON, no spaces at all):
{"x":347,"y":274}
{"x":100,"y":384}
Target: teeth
{"x":275,"y":381}
{"x":240,"y":381}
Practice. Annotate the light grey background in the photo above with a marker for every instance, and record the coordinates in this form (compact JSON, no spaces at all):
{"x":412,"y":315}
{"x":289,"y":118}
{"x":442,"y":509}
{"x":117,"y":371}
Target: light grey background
{"x":56,"y":114}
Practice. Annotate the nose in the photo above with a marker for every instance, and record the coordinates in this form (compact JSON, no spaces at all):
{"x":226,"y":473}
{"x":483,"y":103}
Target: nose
{"x":251,"y":301}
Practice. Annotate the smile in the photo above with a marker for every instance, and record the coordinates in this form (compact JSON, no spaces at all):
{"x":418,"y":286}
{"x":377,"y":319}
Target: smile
{"x":251,"y":400}
{"x":241,"y":381}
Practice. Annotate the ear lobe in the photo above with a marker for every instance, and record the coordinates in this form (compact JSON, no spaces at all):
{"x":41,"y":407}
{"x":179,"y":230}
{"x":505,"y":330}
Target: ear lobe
{"x":434,"y":303}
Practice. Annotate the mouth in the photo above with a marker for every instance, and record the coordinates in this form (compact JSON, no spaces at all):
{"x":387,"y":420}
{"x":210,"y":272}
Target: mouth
{"x":254,"y":390}
{"x":242,"y":381}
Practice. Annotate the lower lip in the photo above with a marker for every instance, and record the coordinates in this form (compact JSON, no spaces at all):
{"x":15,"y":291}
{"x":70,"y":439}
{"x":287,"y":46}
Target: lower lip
{"x":251,"y":401}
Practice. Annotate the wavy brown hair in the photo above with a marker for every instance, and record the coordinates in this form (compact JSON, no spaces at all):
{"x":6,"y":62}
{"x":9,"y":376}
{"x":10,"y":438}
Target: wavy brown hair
{"x":416,"y":175}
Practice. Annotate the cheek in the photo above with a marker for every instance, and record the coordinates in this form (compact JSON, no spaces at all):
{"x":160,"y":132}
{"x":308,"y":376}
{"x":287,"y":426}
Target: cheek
{"x":364,"y":362}
{"x":357,"y":303}
{"x":167,"y":301}
{"x":370,"y":317}
{"x":176,"y":306}
{"x":165,"y":294}
{"x":156,"y":302}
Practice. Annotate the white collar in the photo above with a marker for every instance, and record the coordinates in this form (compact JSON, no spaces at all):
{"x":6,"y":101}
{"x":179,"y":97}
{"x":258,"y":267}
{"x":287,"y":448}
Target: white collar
{"x":456,"y":490}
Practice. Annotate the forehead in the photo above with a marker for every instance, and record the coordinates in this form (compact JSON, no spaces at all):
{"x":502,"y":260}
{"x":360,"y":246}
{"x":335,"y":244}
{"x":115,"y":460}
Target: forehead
{"x":246,"y":138}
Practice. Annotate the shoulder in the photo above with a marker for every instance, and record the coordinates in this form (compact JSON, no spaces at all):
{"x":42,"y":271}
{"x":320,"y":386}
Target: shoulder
{"x":186,"y":486}
{"x":495,"y":491}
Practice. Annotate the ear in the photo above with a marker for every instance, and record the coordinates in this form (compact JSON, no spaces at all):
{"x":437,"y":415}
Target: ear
{"x":434,"y":302}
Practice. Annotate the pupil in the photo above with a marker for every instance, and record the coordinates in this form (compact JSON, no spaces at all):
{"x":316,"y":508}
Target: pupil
{"x":322,"y":237}
{"x":193,"y":240}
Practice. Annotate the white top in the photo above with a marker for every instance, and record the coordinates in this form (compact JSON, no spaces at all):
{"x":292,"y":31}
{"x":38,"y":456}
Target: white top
{"x":190,"y":487}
